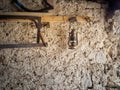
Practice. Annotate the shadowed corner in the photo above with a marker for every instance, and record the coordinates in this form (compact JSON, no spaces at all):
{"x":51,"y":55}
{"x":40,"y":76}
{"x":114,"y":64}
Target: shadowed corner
{"x":113,"y":5}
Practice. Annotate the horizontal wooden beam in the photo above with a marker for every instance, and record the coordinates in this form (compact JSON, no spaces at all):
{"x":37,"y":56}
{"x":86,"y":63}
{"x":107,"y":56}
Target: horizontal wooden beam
{"x":25,"y":13}
{"x":45,"y":17}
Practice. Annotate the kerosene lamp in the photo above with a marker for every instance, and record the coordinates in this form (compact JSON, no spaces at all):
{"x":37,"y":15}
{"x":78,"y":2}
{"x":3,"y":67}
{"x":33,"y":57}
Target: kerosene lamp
{"x":73,"y":35}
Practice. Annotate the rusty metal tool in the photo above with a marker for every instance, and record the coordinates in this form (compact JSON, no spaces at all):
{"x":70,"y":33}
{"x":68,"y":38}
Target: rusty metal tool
{"x":36,"y":20}
{"x":21,"y":6}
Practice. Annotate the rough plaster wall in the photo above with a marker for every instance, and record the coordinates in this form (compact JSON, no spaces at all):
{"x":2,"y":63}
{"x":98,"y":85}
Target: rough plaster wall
{"x":8,"y":6}
{"x":93,"y":65}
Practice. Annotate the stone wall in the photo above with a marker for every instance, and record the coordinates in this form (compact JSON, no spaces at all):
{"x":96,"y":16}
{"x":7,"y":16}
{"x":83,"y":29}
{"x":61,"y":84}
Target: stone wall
{"x":93,"y":65}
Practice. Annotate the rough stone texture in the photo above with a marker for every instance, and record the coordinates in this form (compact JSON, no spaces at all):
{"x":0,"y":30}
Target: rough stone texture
{"x":8,"y":6}
{"x":93,"y":65}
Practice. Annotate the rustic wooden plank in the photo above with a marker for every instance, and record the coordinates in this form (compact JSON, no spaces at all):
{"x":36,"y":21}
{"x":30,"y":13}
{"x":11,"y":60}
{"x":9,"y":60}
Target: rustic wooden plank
{"x":25,"y":13}
{"x":45,"y":17}
{"x":15,"y":20}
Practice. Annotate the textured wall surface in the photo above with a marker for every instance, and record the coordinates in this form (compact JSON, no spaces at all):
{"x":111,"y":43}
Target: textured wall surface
{"x":93,"y":65}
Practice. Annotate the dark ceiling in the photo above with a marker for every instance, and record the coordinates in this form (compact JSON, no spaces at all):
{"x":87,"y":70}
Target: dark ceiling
{"x":114,"y":4}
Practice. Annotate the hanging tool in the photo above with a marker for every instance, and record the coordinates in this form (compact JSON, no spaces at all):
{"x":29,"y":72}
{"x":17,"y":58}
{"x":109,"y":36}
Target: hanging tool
{"x":21,"y":6}
{"x":36,"y":20}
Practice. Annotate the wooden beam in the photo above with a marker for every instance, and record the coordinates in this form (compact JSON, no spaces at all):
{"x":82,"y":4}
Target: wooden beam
{"x":25,"y":13}
{"x":45,"y":17}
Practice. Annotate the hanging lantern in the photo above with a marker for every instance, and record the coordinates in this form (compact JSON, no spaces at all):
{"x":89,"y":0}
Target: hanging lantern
{"x":73,"y":35}
{"x":73,"y":39}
